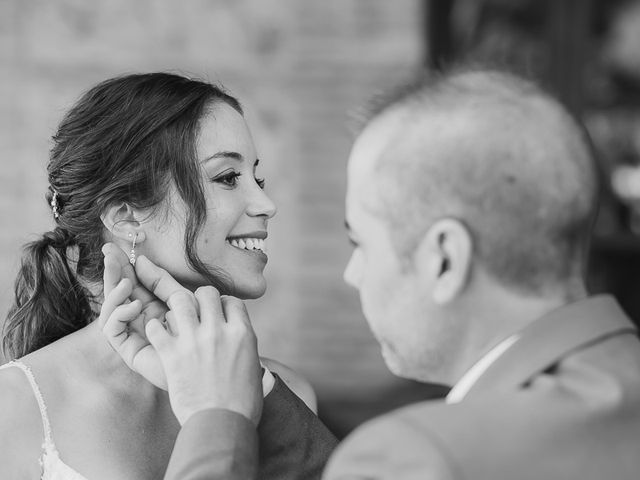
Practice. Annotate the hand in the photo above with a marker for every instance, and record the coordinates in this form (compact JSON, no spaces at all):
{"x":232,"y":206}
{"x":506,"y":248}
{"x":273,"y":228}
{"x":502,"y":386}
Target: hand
{"x":128,"y":304}
{"x":148,"y":288}
{"x":117,"y":267}
{"x":210,"y":362}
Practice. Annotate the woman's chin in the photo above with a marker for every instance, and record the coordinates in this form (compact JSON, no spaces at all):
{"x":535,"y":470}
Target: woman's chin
{"x":246,"y":292}
{"x":243,"y":290}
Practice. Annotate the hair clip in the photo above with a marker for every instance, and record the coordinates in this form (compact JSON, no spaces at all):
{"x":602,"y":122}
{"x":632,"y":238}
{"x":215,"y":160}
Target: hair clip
{"x":54,"y":204}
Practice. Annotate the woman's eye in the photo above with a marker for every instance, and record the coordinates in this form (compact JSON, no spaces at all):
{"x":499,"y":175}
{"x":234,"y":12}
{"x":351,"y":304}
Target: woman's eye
{"x":260,"y":181}
{"x":230,"y":179}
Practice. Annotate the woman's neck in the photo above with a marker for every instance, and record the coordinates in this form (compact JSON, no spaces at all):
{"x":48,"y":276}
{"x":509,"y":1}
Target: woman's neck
{"x":86,"y":356}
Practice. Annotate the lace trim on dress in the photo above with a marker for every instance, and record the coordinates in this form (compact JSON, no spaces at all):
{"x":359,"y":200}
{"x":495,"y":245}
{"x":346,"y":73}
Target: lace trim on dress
{"x":53,"y":468}
{"x":48,"y":441}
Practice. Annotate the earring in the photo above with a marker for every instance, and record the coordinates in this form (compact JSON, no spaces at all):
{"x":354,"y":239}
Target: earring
{"x":132,"y":254}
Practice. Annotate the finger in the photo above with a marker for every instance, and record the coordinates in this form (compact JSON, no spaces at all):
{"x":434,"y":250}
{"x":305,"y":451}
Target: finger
{"x":137,"y":324}
{"x":155,"y":309}
{"x":158,"y":337}
{"x":119,"y":257}
{"x":184,"y":314}
{"x":209,"y":303}
{"x":140,"y":292}
{"x":129,"y":349}
{"x":118,"y":254}
{"x":235,"y":311}
{"x":116,"y":297}
{"x":118,"y":262}
{"x":118,"y":322}
{"x":112,"y":274}
{"x":170,"y":322}
{"x":127,"y":343}
{"x":148,"y":364}
{"x":157,"y":280}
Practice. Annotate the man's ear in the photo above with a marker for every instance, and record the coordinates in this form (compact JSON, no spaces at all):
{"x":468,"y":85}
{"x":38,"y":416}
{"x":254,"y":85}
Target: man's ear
{"x":445,"y":255}
{"x":121,"y":221}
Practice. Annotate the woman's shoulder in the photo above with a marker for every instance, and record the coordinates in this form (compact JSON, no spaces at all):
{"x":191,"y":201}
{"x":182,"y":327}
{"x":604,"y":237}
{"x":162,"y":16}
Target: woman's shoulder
{"x":21,"y":430}
{"x":18,"y":401}
{"x":14,"y":381}
{"x":294,"y":380}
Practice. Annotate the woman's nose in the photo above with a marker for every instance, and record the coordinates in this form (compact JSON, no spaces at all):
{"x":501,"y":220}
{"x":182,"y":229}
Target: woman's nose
{"x":261,"y":204}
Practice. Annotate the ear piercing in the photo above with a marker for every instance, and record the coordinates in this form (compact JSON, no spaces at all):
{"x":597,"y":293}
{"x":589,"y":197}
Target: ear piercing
{"x":132,"y":254}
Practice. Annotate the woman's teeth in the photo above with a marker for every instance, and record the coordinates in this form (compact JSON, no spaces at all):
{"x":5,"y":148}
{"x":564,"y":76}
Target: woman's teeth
{"x":248,"y":243}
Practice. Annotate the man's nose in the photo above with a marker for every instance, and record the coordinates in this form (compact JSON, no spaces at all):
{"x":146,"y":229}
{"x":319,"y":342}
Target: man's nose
{"x":351,"y":272}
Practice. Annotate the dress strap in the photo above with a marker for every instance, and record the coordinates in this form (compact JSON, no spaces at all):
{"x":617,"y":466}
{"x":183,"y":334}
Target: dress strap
{"x":48,"y":440}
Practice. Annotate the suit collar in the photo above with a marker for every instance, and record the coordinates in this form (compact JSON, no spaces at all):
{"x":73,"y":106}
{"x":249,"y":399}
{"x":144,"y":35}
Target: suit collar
{"x":546,"y":340}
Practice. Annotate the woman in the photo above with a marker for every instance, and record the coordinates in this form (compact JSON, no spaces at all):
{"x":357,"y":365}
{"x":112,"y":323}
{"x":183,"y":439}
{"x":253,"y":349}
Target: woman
{"x":160,"y":165}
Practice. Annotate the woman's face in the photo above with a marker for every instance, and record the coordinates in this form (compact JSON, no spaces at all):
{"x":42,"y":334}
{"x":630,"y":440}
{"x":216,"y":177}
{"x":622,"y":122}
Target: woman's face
{"x":234,"y":233}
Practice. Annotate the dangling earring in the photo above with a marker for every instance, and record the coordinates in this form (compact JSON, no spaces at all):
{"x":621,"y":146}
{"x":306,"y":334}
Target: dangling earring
{"x":132,"y":254}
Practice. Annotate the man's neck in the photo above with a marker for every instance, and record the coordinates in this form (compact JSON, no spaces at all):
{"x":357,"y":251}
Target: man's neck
{"x":499,"y":316}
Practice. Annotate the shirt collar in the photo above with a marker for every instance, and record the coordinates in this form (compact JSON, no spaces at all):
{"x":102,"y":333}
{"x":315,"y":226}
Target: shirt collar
{"x":545,"y":341}
{"x":460,"y":389}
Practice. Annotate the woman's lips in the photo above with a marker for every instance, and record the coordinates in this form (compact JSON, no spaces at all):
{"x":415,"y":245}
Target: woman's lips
{"x":253,"y":247}
{"x":248,"y":243}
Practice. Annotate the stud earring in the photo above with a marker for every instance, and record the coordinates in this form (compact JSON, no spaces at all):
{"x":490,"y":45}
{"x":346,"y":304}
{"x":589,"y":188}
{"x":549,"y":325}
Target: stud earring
{"x":132,"y":254}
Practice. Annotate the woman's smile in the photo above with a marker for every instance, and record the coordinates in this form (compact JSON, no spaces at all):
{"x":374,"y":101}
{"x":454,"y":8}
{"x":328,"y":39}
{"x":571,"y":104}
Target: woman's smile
{"x":251,"y":243}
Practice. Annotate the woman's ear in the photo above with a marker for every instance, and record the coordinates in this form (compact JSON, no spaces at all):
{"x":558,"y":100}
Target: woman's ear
{"x":446,"y":252}
{"x":120,"y":220}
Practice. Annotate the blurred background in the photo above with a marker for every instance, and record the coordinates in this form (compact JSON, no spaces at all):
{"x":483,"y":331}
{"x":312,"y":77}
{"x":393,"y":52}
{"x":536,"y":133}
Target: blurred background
{"x":300,"y":68}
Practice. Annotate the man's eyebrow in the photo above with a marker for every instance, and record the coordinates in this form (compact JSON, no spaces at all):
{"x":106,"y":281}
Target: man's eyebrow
{"x":224,"y":154}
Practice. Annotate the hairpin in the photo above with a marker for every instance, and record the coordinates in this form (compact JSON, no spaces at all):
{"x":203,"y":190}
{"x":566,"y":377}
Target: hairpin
{"x":54,"y":204}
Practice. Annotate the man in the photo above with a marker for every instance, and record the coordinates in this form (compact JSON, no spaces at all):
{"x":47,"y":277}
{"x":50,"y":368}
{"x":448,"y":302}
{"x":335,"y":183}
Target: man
{"x":469,"y":203}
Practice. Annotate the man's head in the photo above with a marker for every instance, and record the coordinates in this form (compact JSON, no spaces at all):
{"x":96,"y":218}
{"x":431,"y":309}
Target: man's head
{"x":463,"y":189}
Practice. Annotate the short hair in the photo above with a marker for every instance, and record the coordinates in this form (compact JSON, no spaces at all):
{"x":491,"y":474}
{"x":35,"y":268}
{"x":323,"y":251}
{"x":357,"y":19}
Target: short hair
{"x":502,"y":156}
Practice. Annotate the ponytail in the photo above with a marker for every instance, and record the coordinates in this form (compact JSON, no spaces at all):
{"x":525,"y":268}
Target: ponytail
{"x":50,"y":302}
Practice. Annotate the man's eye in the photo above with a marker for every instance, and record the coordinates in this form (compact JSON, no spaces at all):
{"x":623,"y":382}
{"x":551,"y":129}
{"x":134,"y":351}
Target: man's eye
{"x":261,"y":182}
{"x":230,"y":179}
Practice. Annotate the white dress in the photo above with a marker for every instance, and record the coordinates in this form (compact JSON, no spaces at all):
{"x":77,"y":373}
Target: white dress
{"x":53,"y":468}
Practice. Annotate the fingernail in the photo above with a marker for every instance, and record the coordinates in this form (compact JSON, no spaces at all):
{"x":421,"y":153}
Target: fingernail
{"x":105,"y":249}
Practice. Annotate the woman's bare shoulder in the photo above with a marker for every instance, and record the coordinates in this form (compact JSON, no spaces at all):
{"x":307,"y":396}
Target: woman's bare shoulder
{"x":17,"y":392}
{"x":296,"y":382}
{"x":18,"y":404}
{"x":21,"y":432}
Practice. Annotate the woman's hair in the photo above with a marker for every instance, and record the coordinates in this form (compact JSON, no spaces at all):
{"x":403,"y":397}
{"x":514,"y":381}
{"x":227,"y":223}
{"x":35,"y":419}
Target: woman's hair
{"x":128,"y":139}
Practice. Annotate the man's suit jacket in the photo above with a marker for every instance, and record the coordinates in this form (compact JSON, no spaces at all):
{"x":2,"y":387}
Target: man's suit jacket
{"x":562,"y":403}
{"x":289,"y":444}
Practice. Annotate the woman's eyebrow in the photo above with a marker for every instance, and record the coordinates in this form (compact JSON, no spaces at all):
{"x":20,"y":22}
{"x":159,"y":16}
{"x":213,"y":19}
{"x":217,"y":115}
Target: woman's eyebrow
{"x":224,"y":154}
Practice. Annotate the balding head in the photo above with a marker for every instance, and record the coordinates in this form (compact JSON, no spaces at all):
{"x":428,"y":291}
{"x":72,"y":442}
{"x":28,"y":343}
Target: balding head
{"x":496,"y":153}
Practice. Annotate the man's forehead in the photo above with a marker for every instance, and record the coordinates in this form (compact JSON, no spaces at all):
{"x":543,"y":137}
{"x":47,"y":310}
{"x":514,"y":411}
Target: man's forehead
{"x":362,"y":197}
{"x":371,"y":144}
{"x":363,"y":212}
{"x":406,"y":132}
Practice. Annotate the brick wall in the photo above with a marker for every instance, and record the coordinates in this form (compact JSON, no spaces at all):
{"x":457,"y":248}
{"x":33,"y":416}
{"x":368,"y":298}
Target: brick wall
{"x":298,"y":65}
